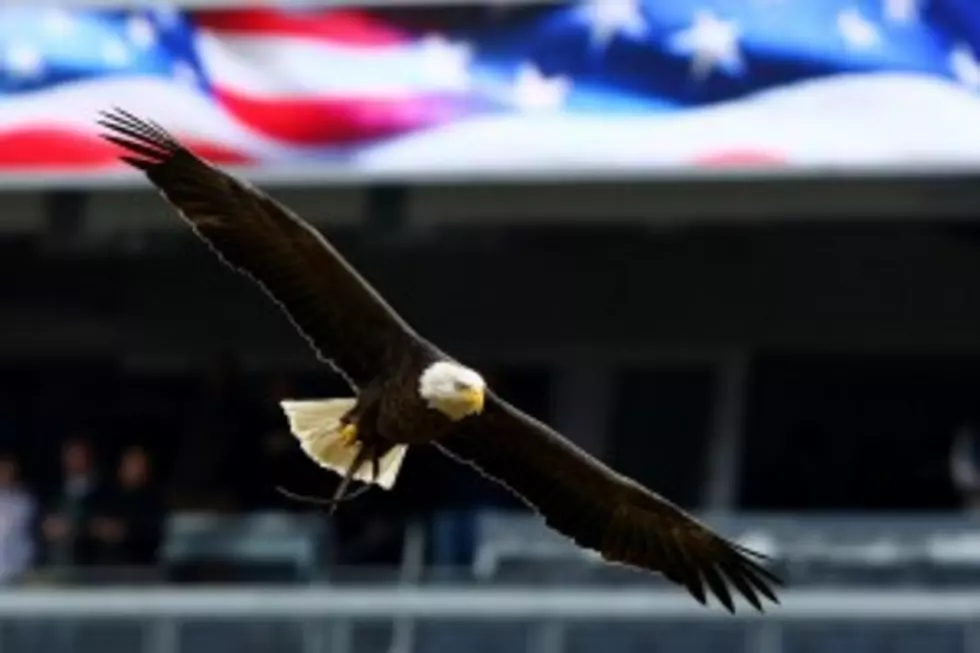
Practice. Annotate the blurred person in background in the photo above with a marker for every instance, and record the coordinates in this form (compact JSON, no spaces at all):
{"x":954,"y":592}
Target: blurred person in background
{"x":17,"y":514}
{"x":128,"y":525}
{"x":965,"y":467}
{"x":68,"y":511}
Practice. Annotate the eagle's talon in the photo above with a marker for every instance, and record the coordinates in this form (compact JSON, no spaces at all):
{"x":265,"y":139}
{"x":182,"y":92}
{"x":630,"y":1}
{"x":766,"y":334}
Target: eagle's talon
{"x":348,"y":434}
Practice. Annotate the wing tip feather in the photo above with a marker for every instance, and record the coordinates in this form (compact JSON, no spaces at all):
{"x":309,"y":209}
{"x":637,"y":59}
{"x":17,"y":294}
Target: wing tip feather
{"x":732,"y":568}
{"x":145,"y":138}
{"x":753,"y":579}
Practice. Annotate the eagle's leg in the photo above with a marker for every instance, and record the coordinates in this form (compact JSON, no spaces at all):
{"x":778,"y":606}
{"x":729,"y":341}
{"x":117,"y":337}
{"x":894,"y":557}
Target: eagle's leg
{"x":362,"y":411}
{"x":340,"y":495}
{"x":348,"y":434}
{"x":372,"y":448}
{"x":359,"y":429}
{"x":341,"y":491}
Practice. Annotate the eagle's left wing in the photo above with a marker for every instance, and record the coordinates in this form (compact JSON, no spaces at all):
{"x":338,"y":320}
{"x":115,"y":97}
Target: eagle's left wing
{"x":602,"y":510}
{"x":345,"y":320}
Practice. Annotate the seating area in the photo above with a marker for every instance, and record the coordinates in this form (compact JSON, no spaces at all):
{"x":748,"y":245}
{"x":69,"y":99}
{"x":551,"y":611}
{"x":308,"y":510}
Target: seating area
{"x":846,"y":553}
{"x":866,"y":550}
{"x":516,"y":547}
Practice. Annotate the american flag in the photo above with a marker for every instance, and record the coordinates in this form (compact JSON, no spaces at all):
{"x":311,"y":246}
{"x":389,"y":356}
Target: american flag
{"x":596,"y":86}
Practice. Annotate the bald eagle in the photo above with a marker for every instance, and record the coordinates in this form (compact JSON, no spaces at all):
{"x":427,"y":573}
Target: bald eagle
{"x":409,"y":393}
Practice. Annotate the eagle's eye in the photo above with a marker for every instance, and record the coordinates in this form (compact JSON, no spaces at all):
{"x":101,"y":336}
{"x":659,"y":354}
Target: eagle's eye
{"x":459,"y":386}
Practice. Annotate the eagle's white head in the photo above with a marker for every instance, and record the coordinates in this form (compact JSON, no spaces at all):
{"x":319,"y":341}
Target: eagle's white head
{"x":452,"y":389}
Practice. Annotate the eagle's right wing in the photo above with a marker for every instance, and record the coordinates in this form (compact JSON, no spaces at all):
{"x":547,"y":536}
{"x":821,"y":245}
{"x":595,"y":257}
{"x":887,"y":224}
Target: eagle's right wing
{"x":604,"y":511}
{"x":343,"y":318}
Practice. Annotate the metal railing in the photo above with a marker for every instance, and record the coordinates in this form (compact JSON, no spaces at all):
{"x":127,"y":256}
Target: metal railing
{"x":325,"y":617}
{"x":472,"y":604}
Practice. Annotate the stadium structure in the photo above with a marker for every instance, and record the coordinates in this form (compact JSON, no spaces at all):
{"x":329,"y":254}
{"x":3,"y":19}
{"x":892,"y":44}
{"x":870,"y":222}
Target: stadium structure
{"x":765,"y":307}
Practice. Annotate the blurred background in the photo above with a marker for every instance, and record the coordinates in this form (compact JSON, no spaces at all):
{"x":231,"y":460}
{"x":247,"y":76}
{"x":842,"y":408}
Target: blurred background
{"x":728,"y":246}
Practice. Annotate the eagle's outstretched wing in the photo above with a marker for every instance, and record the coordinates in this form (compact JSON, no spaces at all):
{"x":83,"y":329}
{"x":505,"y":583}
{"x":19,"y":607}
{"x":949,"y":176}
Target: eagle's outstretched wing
{"x":345,"y":320}
{"x":604,"y":511}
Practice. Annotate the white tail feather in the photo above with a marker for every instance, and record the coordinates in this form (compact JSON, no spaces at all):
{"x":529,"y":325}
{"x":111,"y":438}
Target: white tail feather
{"x":316,"y":424}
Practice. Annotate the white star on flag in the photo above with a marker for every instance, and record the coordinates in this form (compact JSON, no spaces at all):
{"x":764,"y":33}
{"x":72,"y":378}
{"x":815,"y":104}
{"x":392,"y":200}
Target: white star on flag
{"x":901,"y":11}
{"x":58,"y":22}
{"x":856,"y":30}
{"x":115,"y":53}
{"x":167,"y":15}
{"x":448,"y":63}
{"x":607,"y":18}
{"x":710,"y":42}
{"x":965,"y":66}
{"x":140,"y":31}
{"x":533,"y":91}
{"x":23,"y":60}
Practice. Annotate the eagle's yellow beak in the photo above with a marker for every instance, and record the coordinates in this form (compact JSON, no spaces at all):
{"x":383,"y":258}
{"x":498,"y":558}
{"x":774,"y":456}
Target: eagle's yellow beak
{"x":474,"y":398}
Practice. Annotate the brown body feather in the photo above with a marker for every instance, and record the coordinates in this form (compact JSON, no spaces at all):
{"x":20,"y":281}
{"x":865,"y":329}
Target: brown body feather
{"x":350,"y":326}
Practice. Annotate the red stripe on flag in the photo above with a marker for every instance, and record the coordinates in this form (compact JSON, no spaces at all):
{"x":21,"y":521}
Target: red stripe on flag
{"x":347,"y":27}
{"x":740,"y":157}
{"x":39,"y":148}
{"x":332,"y":121}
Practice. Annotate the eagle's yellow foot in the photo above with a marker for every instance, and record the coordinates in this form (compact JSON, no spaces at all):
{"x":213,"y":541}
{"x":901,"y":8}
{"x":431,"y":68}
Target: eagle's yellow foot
{"x":348,"y":434}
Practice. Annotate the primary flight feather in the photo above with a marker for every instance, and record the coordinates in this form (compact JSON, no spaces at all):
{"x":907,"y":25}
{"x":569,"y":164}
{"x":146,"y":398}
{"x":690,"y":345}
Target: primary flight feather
{"x":411,"y":393}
